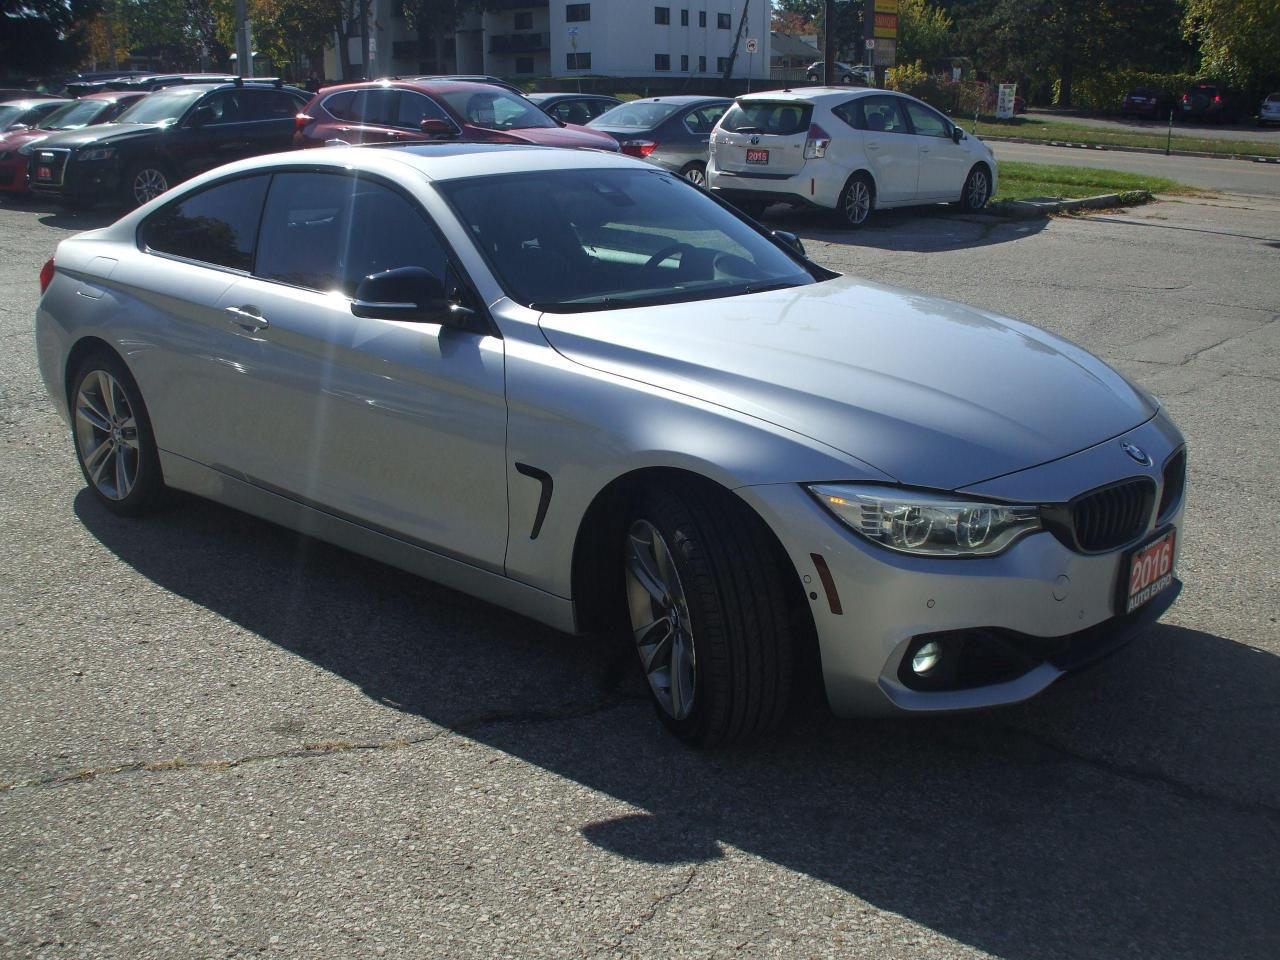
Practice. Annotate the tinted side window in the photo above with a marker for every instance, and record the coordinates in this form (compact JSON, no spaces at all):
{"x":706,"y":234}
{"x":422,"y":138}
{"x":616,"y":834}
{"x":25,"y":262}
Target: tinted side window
{"x":925,"y":122}
{"x":378,"y":107}
{"x":329,"y":231}
{"x":226,"y":106}
{"x":216,"y":225}
{"x":272,"y":105}
{"x":878,"y":114}
{"x":414,"y":108}
{"x":703,"y":120}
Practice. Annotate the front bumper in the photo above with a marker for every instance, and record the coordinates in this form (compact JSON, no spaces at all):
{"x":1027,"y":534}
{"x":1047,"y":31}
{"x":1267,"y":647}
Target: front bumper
{"x":81,"y":181}
{"x":1054,"y":607}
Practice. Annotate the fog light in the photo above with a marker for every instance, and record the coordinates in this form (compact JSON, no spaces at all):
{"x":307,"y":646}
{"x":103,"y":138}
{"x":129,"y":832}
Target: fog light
{"x":926,"y":658}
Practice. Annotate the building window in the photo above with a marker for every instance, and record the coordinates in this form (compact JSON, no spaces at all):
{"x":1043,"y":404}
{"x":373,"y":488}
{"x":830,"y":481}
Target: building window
{"x":578,"y":61}
{"x":702,"y":18}
{"x":702,"y":64}
{"x":524,"y":64}
{"x":524,"y":20}
{"x":661,"y":61}
{"x":684,"y":18}
{"x":662,"y":15}
{"x":577,"y":12}
{"x":722,"y":64}
{"x":724,"y":21}
{"x":684,"y":63}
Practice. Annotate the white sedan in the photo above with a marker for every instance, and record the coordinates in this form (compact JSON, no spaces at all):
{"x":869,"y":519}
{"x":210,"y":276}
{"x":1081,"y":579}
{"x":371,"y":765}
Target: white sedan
{"x":852,"y":151}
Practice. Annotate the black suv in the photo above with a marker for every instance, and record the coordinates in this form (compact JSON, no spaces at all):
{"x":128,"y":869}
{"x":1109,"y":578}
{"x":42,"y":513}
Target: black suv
{"x":163,"y":139}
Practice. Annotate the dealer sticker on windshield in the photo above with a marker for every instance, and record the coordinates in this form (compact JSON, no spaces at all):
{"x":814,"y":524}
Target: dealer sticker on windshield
{"x":1150,"y":570}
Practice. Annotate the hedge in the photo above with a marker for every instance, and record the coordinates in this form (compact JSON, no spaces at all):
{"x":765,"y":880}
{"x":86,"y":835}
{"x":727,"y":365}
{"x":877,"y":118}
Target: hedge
{"x":1105,"y":91}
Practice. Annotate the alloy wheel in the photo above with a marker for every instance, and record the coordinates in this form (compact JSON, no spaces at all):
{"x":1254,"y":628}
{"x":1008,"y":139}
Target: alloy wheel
{"x":857,"y":202}
{"x":149,"y":183}
{"x":107,"y":435}
{"x":697,"y":176}
{"x":660,"y":620}
{"x":979,"y":187}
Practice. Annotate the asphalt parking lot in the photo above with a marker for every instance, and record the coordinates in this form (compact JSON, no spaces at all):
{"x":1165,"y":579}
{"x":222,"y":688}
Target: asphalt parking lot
{"x":220,"y":739}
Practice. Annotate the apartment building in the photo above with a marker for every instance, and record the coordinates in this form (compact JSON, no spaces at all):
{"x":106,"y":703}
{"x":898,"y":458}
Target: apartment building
{"x":522,"y":39}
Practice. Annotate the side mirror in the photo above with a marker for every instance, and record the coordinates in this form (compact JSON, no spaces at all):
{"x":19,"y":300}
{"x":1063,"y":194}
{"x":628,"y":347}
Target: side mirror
{"x":435,"y":127}
{"x":791,"y":240}
{"x":408,"y":293}
{"x":201,"y":116}
{"x":957,"y":134}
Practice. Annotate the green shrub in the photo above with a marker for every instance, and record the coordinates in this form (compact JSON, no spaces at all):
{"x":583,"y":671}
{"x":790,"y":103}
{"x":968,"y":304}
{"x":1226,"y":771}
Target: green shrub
{"x":1106,"y":90}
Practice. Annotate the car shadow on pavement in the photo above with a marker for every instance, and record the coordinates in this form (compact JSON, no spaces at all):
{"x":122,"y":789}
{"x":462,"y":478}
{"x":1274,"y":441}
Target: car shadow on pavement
{"x":924,"y":229}
{"x":1131,"y":810}
{"x":60,"y":217}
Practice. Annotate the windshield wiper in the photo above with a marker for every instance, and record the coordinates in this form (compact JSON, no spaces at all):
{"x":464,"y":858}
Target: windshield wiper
{"x":766,"y":287}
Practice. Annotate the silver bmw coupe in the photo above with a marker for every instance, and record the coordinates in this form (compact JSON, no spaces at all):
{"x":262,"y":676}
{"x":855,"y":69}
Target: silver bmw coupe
{"x":577,"y":386}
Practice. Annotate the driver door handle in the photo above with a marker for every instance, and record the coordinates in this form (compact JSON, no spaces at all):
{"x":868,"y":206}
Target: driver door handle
{"x":248,"y":317}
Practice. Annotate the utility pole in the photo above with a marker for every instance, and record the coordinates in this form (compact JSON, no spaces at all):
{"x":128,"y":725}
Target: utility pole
{"x":829,"y":44}
{"x":737,"y":38}
{"x":244,"y":40}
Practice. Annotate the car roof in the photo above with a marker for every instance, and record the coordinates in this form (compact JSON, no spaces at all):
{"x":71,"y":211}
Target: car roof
{"x":421,"y":84}
{"x":681,"y":101}
{"x":30,"y":102}
{"x":812,"y":94}
{"x":113,"y":95}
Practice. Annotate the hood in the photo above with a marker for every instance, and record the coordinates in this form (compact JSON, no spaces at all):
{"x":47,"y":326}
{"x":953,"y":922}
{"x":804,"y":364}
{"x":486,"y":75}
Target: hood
{"x":569,"y":135}
{"x":17,"y":138}
{"x":102,"y":133}
{"x":931,"y":392}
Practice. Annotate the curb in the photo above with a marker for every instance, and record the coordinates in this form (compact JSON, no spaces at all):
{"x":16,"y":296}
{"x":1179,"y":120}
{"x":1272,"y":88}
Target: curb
{"x":1037,"y":209}
{"x":1202,"y":154}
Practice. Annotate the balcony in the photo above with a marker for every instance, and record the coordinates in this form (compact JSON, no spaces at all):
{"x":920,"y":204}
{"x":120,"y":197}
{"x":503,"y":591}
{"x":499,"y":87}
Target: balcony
{"x":519,"y":42}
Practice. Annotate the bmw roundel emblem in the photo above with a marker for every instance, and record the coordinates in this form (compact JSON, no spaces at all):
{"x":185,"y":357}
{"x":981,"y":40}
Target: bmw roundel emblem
{"x":1136,"y":452}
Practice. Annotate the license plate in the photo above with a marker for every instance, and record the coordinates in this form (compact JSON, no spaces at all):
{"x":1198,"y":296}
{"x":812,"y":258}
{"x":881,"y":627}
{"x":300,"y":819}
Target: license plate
{"x":1148,"y":571}
{"x":44,"y":173}
{"x":757,"y":156}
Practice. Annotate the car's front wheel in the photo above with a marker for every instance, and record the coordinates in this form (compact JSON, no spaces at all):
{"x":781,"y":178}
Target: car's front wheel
{"x":857,"y":201}
{"x":112,"y":435}
{"x":977,"y":190}
{"x":708,"y":613}
{"x":143,"y":183}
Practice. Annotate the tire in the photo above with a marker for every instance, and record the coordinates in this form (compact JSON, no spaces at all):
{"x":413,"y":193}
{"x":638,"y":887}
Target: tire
{"x":695,"y":173}
{"x":813,"y":78}
{"x":857,"y":201}
{"x":977,"y":189}
{"x":111,"y":430}
{"x":139,"y":185}
{"x":723,"y":580}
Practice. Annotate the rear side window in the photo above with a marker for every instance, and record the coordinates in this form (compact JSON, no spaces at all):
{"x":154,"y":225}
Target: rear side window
{"x":272,"y":105}
{"x":778,"y":119}
{"x":877,"y":114}
{"x":703,"y":120}
{"x":215,"y":225}
{"x":377,"y":107}
{"x":327,"y":232}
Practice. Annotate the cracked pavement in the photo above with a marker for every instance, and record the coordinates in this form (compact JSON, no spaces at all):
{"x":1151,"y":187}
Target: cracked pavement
{"x":221,"y":739}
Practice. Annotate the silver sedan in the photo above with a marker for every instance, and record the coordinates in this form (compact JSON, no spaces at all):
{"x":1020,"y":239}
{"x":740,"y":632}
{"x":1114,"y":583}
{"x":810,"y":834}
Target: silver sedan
{"x":577,"y":386}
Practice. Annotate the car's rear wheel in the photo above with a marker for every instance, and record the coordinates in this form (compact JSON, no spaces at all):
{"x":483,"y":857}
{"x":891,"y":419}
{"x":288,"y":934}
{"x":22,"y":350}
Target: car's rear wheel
{"x":977,"y":189}
{"x":857,"y":201}
{"x":708,"y":613}
{"x":695,"y":173}
{"x":143,"y":183}
{"x":112,"y":435}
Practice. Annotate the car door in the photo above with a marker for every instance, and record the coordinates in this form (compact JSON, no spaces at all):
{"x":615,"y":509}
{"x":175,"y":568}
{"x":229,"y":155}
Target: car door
{"x":212,"y":133}
{"x":944,"y":164}
{"x":395,"y":425}
{"x":268,"y":120}
{"x":411,"y":109}
{"x":889,"y":148}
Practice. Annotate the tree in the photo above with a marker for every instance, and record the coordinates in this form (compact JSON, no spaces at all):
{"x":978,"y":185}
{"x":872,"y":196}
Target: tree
{"x":42,"y":36}
{"x":925,"y":32}
{"x":437,"y":19}
{"x":1239,"y":39}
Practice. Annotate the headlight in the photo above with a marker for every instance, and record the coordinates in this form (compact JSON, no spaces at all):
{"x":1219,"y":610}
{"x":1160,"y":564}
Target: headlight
{"x":928,"y":524}
{"x":99,"y":153}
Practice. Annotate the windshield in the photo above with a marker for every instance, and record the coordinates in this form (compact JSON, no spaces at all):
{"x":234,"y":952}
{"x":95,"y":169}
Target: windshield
{"x":77,"y":114}
{"x":635,"y":115}
{"x":166,"y":105}
{"x":9,"y":113}
{"x":495,"y":109}
{"x":570,"y":241}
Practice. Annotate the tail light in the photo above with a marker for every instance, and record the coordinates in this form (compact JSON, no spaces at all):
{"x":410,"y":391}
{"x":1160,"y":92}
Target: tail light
{"x":1217,"y":98}
{"x":816,"y":145}
{"x":639,"y":148}
{"x":46,"y":275}
{"x":1186,"y":98}
{"x":300,"y":121}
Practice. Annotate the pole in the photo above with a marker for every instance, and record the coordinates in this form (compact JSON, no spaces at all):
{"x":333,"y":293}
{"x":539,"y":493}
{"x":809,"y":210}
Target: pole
{"x":244,"y":56}
{"x":829,"y":44}
{"x":1168,"y":143}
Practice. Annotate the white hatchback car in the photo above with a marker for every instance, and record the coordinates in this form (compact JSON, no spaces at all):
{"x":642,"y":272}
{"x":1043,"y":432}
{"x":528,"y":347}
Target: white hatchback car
{"x":851,"y":151}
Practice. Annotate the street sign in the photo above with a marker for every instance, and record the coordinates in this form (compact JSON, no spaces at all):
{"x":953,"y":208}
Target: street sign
{"x":1004,"y":104}
{"x":871,"y":44}
{"x":886,"y":53}
{"x":753,"y":45}
{"x":573,"y":31}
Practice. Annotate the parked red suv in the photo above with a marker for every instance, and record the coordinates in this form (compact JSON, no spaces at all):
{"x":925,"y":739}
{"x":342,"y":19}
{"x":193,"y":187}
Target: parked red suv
{"x":411,"y":111}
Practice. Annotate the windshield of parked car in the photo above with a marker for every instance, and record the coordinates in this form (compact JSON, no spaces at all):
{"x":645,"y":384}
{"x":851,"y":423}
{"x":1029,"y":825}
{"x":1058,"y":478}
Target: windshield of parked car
{"x":162,"y":106}
{"x":10,"y":112}
{"x":637,"y":115}
{"x":495,"y":109}
{"x":570,"y":241}
{"x":80,"y":113}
